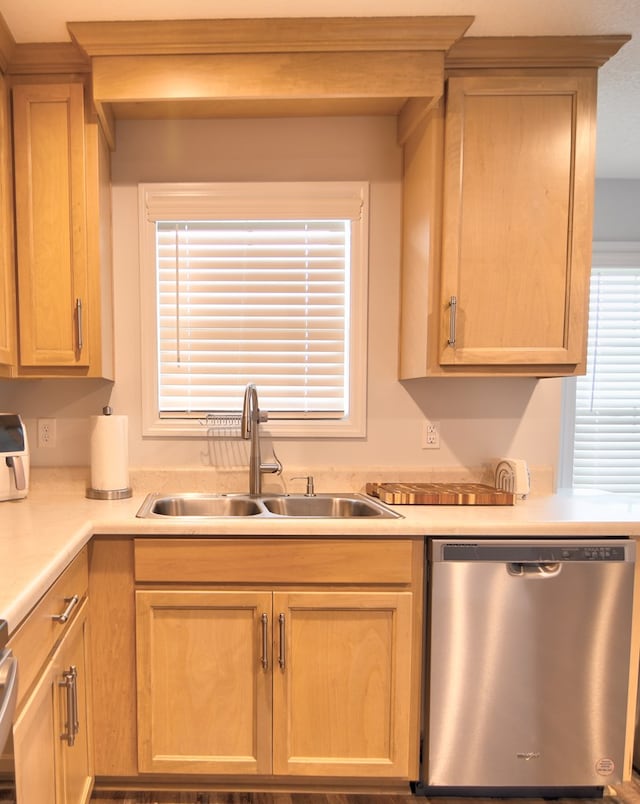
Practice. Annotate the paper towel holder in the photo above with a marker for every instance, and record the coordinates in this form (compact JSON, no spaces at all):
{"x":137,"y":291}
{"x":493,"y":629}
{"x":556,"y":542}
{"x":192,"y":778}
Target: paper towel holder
{"x":108,"y":494}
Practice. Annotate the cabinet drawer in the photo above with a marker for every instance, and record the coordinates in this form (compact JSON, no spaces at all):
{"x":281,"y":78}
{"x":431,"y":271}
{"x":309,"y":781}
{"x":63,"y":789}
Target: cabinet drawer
{"x":40,"y":632}
{"x":290,"y":561}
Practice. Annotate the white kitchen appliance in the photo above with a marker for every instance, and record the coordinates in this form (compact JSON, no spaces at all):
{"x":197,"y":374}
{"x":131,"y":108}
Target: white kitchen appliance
{"x":14,"y":457}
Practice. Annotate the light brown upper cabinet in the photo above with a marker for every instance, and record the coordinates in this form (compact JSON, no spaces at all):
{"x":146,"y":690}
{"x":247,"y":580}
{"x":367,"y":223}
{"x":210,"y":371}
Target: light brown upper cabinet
{"x":7,"y":283}
{"x":497,"y":218}
{"x":61,"y":168}
{"x":513,"y":264}
{"x":518,"y":206}
{"x":497,"y":184}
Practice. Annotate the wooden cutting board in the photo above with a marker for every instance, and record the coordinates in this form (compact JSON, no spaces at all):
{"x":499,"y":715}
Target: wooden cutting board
{"x":440,"y":494}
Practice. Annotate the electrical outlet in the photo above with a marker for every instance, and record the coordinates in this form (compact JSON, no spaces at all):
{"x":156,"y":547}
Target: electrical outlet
{"x":46,"y":432}
{"x":431,"y":435}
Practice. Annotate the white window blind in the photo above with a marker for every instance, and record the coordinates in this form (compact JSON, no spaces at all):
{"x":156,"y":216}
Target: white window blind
{"x":254,"y":282}
{"x":606,"y":453}
{"x":253,"y":301}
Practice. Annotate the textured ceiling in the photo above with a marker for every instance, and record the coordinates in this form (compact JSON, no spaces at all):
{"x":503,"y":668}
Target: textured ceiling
{"x":618,"y":144}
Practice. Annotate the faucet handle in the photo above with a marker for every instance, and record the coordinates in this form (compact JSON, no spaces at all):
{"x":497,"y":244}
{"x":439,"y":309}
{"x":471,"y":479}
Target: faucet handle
{"x":310,"y":492}
{"x":274,"y":467}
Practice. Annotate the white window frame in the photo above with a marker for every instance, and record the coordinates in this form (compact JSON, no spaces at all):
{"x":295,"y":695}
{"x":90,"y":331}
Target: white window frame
{"x":292,"y":200}
{"x":605,"y":254}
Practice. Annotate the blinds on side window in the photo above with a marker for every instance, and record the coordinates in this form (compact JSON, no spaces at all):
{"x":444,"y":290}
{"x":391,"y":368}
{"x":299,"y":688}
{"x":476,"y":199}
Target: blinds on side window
{"x":607,"y":418}
{"x":253,"y":301}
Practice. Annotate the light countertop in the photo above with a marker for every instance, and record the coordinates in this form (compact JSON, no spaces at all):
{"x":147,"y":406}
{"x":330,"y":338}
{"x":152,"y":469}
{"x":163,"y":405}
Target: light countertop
{"x":41,"y":534}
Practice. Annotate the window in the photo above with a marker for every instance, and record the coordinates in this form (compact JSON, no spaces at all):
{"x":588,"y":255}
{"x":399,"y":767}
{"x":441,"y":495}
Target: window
{"x":254,"y":282}
{"x":603,"y":447}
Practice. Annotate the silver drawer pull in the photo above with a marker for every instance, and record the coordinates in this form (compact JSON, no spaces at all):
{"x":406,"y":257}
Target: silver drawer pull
{"x":70,"y":683}
{"x":283,"y":646}
{"x":71,"y":602}
{"x":265,"y":641}
{"x":453,"y":305}
{"x":79,"y":338}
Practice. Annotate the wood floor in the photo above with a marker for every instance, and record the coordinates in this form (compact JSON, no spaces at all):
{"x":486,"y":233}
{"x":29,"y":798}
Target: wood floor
{"x":628,"y":793}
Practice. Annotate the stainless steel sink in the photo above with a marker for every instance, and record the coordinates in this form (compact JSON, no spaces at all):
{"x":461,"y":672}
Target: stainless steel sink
{"x":199,"y":505}
{"x":322,"y":506}
{"x":325,"y":505}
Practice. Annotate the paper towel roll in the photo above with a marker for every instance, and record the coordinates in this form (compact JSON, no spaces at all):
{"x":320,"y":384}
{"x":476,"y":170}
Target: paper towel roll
{"x":109,"y":454}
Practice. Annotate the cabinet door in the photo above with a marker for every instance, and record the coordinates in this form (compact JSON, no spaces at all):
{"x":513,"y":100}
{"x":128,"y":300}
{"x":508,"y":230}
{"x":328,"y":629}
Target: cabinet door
{"x":76,"y":754}
{"x":518,"y":206}
{"x":35,"y":741}
{"x":7,"y":285}
{"x":53,"y":761}
{"x":204,"y":681}
{"x":51,"y":228}
{"x":342,"y":683}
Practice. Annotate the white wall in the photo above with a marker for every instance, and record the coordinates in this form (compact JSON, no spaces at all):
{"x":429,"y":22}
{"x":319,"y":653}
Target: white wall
{"x":617,"y":210}
{"x":479,"y":418}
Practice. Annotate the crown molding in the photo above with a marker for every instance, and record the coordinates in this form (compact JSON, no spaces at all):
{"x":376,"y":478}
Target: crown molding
{"x":48,"y":58}
{"x":497,"y":52}
{"x":288,"y":35}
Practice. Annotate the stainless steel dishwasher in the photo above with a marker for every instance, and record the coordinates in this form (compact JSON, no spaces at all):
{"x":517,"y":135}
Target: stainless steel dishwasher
{"x":527,"y":665}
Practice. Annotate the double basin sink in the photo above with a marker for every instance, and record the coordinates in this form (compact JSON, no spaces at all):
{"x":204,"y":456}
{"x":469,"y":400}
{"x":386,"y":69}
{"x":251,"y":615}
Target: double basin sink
{"x":334,"y":506}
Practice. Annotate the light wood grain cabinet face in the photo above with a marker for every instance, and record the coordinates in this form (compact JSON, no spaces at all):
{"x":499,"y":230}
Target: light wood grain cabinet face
{"x":342,"y":683}
{"x":48,"y":123}
{"x":204,"y":702}
{"x":497,"y":228}
{"x":285,"y":683}
{"x":280,"y":658}
{"x":62,"y":227}
{"x":49,"y":769}
{"x":35,"y":741}
{"x":518,"y":185}
{"x":7,"y":282}
{"x":76,"y":756}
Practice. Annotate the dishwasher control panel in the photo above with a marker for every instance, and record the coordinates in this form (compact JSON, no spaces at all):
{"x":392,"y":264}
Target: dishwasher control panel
{"x":600,"y":553}
{"x":537,"y":551}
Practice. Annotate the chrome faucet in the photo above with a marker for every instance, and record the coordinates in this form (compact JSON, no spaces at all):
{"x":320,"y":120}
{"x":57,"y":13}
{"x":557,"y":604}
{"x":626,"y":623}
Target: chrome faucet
{"x":250,"y":428}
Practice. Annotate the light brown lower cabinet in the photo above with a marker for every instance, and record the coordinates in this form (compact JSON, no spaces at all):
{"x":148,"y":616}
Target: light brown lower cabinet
{"x":299,"y":683}
{"x":51,"y":735}
{"x":202,"y":704}
{"x":260,"y":661}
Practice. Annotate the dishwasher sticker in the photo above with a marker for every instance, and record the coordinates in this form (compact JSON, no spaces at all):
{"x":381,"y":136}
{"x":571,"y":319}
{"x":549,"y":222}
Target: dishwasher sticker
{"x":605,"y":766}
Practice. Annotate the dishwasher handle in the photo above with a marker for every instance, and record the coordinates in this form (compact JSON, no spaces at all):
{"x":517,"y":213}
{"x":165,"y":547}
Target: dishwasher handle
{"x":535,"y":569}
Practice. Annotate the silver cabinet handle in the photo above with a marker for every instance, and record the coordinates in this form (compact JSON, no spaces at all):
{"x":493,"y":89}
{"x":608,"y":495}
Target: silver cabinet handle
{"x":265,"y":641}
{"x":70,"y":683}
{"x":71,"y":602}
{"x":79,"y":324}
{"x":283,"y":647}
{"x":453,"y":305}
